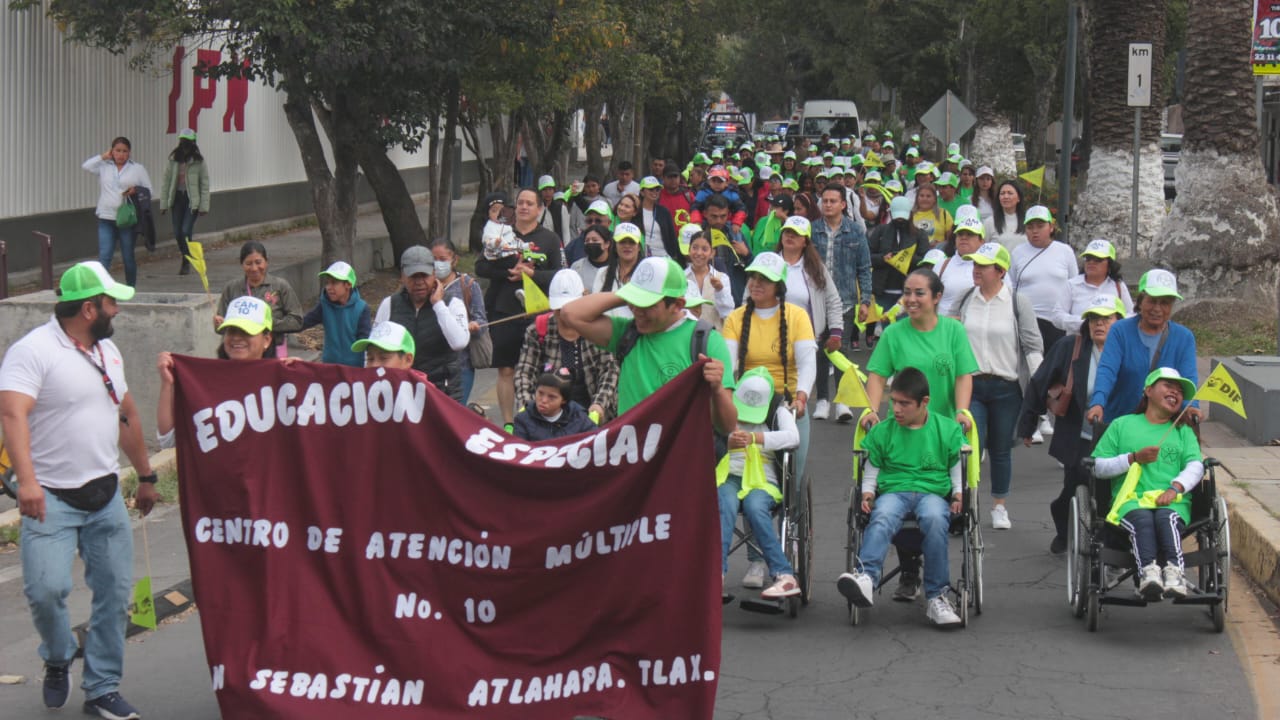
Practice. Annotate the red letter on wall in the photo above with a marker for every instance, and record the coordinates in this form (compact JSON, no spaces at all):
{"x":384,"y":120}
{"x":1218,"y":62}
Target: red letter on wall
{"x":237,"y":95}
{"x":175,"y":93}
{"x":205,"y":89}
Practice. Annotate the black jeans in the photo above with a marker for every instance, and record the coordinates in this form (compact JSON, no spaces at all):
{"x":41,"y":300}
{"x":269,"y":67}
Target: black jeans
{"x":1060,"y":507}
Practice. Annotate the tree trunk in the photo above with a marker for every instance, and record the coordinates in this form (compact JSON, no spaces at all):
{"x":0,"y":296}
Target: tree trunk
{"x":1105,"y":204}
{"x":1224,"y":230}
{"x":333,"y":192}
{"x":993,"y":142}
{"x":399,"y":213}
{"x":439,"y":218}
{"x":471,"y":135}
{"x":591,"y":137}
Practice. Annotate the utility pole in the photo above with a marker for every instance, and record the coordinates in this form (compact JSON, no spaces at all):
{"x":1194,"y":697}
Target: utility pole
{"x":1068,"y":115}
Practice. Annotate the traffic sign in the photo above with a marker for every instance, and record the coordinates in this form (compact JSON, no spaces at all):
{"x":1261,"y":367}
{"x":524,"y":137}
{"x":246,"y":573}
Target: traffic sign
{"x":1139,"y":74}
{"x":948,"y":118}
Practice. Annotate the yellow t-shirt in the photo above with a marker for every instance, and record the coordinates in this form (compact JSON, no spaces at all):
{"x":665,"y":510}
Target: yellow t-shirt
{"x":935,"y":227}
{"x":764,"y":345}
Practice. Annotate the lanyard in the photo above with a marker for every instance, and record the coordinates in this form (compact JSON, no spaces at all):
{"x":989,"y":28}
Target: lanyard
{"x":101,"y":368}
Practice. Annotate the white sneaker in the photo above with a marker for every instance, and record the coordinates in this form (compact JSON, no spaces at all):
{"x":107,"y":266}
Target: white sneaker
{"x":755,"y":575}
{"x":1037,"y":438}
{"x":783,"y":586}
{"x":857,"y":587}
{"x":1046,"y":427}
{"x":1151,"y":586}
{"x":1175,"y":586}
{"x":822,"y":410}
{"x":1000,"y":518}
{"x":941,"y":613}
{"x":843,"y":413}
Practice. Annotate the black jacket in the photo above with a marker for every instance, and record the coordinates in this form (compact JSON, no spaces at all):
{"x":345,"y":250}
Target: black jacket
{"x":529,"y":425}
{"x":884,"y":239}
{"x":1067,"y":447}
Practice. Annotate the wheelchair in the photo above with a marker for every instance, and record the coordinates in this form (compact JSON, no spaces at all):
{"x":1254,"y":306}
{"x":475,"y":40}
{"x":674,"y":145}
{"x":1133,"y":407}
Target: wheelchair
{"x":966,"y":587}
{"x":793,"y":521}
{"x":1100,"y":563}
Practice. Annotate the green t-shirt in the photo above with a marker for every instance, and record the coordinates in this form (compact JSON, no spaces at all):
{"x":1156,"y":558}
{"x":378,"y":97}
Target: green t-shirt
{"x":942,"y":354}
{"x":966,"y":196}
{"x":658,"y":357}
{"x":952,"y":205}
{"x":917,"y":460}
{"x":1131,"y":433}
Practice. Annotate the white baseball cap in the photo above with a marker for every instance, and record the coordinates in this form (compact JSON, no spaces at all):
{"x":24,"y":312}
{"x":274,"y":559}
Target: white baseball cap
{"x":248,"y":313}
{"x":566,"y":285}
{"x":799,"y":224}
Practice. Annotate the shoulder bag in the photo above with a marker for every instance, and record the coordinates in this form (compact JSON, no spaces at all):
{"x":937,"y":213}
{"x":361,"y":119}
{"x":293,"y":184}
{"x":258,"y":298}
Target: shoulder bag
{"x":480,"y":349}
{"x":1058,"y":398}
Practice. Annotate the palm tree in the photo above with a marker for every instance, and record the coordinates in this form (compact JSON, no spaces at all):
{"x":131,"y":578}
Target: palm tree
{"x":1104,"y":206}
{"x":1224,"y":230}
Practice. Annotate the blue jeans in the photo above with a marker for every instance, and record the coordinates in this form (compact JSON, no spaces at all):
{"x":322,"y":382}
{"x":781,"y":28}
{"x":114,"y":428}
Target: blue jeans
{"x":995,"y":407}
{"x":184,"y":220}
{"x":756,"y":508}
{"x":109,"y":235}
{"x":105,"y":541}
{"x":468,"y":376}
{"x":934,"y":515}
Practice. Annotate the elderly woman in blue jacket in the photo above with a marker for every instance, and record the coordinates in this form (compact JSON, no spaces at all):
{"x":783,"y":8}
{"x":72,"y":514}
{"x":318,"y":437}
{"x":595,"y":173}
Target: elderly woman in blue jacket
{"x":1139,"y":344}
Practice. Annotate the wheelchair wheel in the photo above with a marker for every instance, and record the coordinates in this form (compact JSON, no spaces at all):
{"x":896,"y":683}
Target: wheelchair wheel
{"x":1215,"y":577}
{"x":978,"y":588}
{"x":1093,"y":604}
{"x":804,"y":554}
{"x":852,"y":546}
{"x":1078,"y":560}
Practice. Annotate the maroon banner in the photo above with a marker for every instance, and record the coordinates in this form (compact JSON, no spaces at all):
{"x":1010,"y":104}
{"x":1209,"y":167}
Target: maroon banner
{"x":363,"y":547}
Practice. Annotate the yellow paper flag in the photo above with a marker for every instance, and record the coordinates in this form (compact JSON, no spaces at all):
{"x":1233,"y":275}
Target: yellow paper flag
{"x":902,"y":260}
{"x":1222,"y":389}
{"x":535,"y":301}
{"x":874,"y":315}
{"x":851,"y":391}
{"x":195,"y":256}
{"x":892,"y":313}
{"x":144,"y":612}
{"x":719,"y":239}
{"x":1035,"y":177}
{"x":1127,"y":492}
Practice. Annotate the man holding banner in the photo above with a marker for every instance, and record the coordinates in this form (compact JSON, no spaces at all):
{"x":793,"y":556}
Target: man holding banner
{"x":66,"y":411}
{"x":658,"y":342}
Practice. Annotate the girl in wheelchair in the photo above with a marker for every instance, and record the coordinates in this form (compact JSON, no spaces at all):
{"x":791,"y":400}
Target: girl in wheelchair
{"x":914,"y":465}
{"x":1169,"y":460}
{"x":748,"y":476}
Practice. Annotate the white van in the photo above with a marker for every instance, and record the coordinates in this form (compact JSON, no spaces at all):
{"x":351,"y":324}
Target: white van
{"x":835,"y":118}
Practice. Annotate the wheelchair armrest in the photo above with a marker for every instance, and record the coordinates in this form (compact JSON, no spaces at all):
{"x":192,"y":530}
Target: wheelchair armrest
{"x":1210,"y":462}
{"x":1087,"y":463}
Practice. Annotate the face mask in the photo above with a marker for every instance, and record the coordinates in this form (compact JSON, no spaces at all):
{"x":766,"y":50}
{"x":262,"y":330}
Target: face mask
{"x":594,"y":251}
{"x":443,"y":268}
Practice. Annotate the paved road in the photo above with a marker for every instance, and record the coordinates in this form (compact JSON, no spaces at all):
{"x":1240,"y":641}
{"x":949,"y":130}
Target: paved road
{"x":1025,"y":657}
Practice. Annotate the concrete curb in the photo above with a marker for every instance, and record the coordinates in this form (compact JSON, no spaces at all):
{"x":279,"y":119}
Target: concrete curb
{"x":1254,"y":535}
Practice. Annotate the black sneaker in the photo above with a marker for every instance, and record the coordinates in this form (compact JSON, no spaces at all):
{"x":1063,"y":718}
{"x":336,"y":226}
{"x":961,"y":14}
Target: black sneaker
{"x":57,"y":685}
{"x":908,"y":587}
{"x":112,"y":707}
{"x":1058,"y":545}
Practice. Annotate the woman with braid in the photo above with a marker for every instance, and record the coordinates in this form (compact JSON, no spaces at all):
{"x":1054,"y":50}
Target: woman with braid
{"x":769,"y":332}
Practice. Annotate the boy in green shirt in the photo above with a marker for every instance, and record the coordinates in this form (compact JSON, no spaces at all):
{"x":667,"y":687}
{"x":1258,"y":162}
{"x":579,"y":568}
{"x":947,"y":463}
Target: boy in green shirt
{"x":914,"y":463}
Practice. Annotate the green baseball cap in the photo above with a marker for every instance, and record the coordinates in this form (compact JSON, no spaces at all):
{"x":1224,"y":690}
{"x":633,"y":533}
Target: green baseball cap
{"x":654,"y":278}
{"x":1104,"y":305}
{"x":1100,"y":249}
{"x":1038,"y":212}
{"x":770,"y":265}
{"x":1159,"y":283}
{"x":340,"y":271}
{"x":650,"y":183}
{"x":89,"y":279}
{"x":388,"y":335}
{"x":701,"y":159}
{"x":546,"y":181}
{"x":187,"y":134}
{"x":948,"y":180}
{"x":1168,"y":373}
{"x":855,"y":161}
{"x":247,"y":313}
{"x":753,"y":395}
{"x":990,"y":254}
{"x":791,"y":184}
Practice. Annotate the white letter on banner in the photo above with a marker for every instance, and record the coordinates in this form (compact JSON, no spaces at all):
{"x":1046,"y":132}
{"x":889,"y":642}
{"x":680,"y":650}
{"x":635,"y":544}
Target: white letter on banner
{"x":204,"y":430}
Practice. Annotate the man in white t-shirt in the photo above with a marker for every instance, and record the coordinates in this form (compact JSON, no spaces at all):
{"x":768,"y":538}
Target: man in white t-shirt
{"x":624,"y":185}
{"x":66,"y":411}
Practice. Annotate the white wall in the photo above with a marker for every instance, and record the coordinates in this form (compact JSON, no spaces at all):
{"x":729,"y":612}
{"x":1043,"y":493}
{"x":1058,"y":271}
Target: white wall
{"x":61,"y":103}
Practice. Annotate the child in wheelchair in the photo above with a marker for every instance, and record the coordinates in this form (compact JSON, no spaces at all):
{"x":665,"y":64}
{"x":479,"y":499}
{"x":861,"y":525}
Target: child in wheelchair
{"x":749,"y":479}
{"x":913,"y":463}
{"x":1168,"y":456}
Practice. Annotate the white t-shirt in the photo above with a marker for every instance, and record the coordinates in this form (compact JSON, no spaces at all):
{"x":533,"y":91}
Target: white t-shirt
{"x":1041,"y":273}
{"x":652,"y":234}
{"x":1010,"y":238}
{"x":613,"y":193}
{"x":112,"y":183}
{"x":75,"y":425}
{"x":957,"y":278}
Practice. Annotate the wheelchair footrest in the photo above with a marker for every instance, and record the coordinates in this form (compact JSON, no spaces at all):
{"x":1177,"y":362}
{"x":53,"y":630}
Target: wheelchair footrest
{"x":1198,"y":599}
{"x":1130,"y":601}
{"x":766,"y":607}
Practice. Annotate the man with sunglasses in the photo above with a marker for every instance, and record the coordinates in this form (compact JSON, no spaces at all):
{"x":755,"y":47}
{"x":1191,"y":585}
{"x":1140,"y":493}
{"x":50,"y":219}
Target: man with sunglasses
{"x":66,"y":410}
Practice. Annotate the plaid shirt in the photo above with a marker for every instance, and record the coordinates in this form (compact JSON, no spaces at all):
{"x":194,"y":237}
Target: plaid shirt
{"x":537,"y":355}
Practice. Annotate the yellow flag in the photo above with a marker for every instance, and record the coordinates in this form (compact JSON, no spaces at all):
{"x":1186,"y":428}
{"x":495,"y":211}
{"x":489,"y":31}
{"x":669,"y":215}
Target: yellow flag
{"x":851,"y":392}
{"x":973,"y":473}
{"x":1127,"y":492}
{"x":144,"y":612}
{"x":719,"y":239}
{"x":535,"y":301}
{"x":892,"y":313}
{"x":1221,"y":388}
{"x":902,"y":260}
{"x":195,"y":256}
{"x":874,"y":315}
{"x":1035,"y":177}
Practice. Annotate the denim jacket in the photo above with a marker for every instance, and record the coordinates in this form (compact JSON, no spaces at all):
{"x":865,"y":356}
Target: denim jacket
{"x":848,"y":259}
